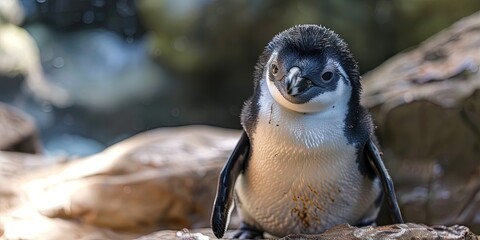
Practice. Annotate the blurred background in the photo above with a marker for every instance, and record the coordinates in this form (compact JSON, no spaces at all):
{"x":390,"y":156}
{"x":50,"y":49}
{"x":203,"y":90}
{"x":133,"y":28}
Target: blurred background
{"x":94,"y":72}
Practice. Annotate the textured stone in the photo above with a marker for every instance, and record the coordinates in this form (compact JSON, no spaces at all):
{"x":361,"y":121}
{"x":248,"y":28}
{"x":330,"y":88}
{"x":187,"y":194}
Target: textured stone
{"x":443,"y":70}
{"x":343,"y":232}
{"x":161,"y":179}
{"x":426,"y":103}
{"x":13,"y":165}
{"x":397,"y":231}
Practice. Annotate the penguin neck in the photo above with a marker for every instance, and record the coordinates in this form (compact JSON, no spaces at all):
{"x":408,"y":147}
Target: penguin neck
{"x":337,"y":111}
{"x":332,"y":112}
{"x":288,"y":128}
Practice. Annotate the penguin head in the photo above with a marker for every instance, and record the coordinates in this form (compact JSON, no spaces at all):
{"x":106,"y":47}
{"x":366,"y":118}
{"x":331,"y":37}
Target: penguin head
{"x":309,"y":69}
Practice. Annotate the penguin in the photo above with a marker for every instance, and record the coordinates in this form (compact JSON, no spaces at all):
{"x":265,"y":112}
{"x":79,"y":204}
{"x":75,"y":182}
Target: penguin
{"x":307,"y":159}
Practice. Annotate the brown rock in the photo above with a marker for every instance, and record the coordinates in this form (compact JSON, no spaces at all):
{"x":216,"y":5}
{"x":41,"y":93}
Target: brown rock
{"x":18,"y":131}
{"x":426,"y":103}
{"x":36,"y":226}
{"x":160,"y":179}
{"x":443,"y":70}
{"x":14,"y":165}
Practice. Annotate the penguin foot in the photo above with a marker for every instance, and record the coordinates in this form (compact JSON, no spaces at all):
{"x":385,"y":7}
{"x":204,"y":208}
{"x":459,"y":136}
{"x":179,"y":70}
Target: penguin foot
{"x":247,"y":232}
{"x":366,"y":223}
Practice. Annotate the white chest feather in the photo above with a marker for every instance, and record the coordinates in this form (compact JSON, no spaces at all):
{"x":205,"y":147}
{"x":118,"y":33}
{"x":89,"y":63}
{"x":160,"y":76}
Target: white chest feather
{"x":302,"y":175}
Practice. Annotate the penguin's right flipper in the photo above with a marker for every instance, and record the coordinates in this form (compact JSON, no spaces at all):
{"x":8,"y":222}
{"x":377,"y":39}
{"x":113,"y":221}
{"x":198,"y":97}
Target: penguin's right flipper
{"x":223,"y":205}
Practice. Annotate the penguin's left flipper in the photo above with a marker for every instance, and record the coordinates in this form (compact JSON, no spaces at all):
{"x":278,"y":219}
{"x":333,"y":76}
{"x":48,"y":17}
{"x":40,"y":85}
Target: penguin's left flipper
{"x":223,"y":205}
{"x":375,"y":160}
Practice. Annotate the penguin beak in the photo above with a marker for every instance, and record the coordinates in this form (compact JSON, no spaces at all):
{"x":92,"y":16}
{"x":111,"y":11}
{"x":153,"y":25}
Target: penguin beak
{"x":294,"y":82}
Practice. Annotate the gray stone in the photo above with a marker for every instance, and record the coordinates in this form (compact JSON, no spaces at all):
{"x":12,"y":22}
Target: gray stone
{"x":343,"y":232}
{"x":397,"y":231}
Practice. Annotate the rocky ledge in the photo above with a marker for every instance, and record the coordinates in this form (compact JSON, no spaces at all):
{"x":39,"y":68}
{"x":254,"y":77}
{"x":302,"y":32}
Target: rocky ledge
{"x":344,"y":232}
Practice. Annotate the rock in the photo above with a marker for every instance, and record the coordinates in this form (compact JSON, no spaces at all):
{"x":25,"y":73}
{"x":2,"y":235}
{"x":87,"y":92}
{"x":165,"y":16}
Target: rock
{"x":37,"y":226}
{"x":426,"y":103}
{"x":397,"y":231}
{"x":161,"y":179}
{"x":18,"y":131}
{"x":14,"y":165}
{"x":442,"y":70}
{"x":344,"y":232}
{"x":184,"y":234}
{"x":15,"y":213}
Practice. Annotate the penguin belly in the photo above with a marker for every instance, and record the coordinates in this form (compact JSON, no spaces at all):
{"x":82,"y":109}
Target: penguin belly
{"x":303,"y":179}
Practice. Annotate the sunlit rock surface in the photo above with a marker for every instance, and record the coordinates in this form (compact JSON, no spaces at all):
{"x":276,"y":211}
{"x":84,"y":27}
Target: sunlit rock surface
{"x":426,"y":103}
{"x":161,"y":179}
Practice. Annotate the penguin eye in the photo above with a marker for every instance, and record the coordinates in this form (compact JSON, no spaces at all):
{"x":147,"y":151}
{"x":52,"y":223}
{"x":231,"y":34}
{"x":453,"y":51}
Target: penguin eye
{"x":327,"y":76}
{"x":274,"y":68}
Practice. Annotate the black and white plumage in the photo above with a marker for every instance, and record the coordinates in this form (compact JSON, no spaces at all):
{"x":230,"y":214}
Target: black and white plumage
{"x":306,"y":160}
